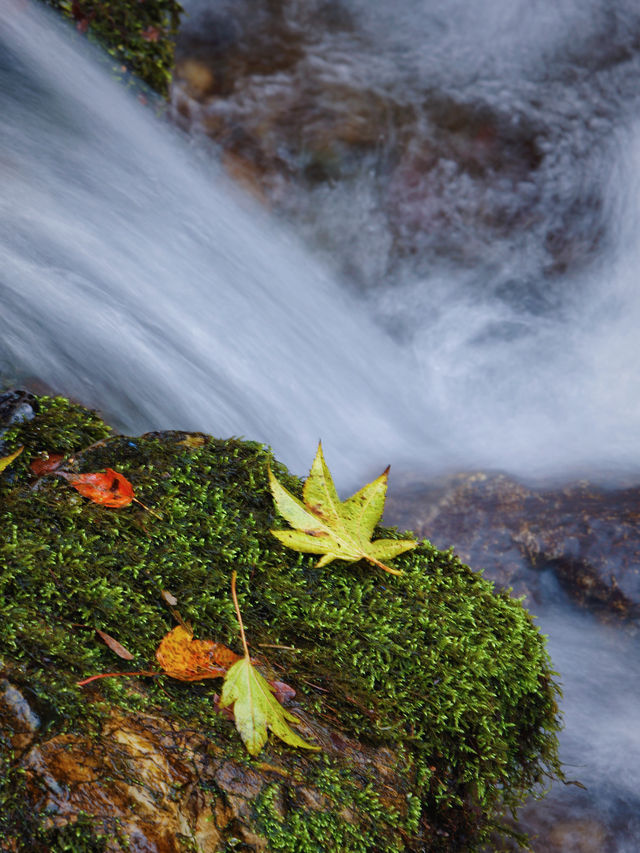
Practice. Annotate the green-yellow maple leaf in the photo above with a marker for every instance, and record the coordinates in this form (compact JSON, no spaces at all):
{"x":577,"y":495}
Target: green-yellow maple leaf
{"x":341,"y":530}
{"x":255,"y":708}
{"x":7,"y":460}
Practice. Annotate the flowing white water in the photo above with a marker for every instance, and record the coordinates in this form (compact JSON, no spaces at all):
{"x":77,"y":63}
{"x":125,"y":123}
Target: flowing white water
{"x":599,"y":747}
{"x":140,"y":282}
{"x":134,"y":278}
{"x":599,"y":671}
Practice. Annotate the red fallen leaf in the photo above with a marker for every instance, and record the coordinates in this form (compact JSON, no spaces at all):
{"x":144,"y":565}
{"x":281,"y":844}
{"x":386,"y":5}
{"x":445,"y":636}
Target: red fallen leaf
{"x":109,"y":489}
{"x":282,"y":691}
{"x":187,"y":659}
{"x":42,"y":466}
{"x":151,"y":33}
{"x":114,"y":645}
{"x":226,"y":712}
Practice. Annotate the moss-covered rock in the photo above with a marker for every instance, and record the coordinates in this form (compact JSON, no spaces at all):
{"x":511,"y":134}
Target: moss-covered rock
{"x":431,"y":695}
{"x":139,"y":35}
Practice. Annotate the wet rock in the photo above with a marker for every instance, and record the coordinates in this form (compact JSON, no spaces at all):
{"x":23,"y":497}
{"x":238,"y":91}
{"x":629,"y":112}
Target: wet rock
{"x":137,"y":773}
{"x":308,"y":101}
{"x":18,"y":720}
{"x":15,"y":407}
{"x":396,"y":679}
{"x":577,"y":836}
{"x":551,"y":831}
{"x":587,"y":536}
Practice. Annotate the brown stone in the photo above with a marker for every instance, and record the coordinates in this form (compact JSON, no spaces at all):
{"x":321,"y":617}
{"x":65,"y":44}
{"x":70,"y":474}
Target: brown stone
{"x":588,"y":536}
{"x":147,"y":776}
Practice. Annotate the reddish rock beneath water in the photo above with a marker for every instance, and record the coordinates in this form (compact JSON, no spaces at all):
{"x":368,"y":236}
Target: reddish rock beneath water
{"x":298,"y":98}
{"x":586,"y":535}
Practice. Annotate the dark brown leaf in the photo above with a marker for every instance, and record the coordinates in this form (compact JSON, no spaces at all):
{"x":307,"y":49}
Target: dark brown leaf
{"x":114,"y":645}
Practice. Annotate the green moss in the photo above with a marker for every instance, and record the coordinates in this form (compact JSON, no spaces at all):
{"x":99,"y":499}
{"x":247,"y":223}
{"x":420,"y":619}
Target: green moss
{"x":78,"y":837}
{"x":60,"y":424}
{"x":139,"y":35}
{"x":449,"y":675}
{"x":304,"y":831}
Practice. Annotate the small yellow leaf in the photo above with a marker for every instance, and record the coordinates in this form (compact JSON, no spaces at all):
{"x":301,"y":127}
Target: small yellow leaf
{"x":193,"y":441}
{"x":7,"y":460}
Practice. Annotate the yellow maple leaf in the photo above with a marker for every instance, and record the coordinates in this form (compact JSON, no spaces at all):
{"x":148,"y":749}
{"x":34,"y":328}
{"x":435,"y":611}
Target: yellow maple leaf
{"x":340,"y":530}
{"x":255,"y":708}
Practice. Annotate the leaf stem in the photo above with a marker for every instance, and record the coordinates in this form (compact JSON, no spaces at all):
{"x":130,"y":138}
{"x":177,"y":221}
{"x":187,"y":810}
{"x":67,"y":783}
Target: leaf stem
{"x":114,"y":675}
{"x":148,"y":509}
{"x":234,"y":575}
{"x":382,"y":566}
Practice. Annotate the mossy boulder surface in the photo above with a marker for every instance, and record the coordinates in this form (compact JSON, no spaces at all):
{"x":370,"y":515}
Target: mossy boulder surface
{"x":138,"y":35}
{"x":430,"y":694}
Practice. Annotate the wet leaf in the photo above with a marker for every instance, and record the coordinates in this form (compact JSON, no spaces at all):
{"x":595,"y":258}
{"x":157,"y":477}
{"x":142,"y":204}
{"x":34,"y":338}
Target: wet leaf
{"x":7,"y":460}
{"x":114,"y":645}
{"x":256,"y":709}
{"x":282,"y":691}
{"x":340,"y":530}
{"x":46,"y":464}
{"x":187,"y":659}
{"x":193,"y":441}
{"x":109,"y":489}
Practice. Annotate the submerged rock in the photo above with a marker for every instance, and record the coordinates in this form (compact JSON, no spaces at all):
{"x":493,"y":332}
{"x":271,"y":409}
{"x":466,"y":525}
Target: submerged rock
{"x":430,"y":695}
{"x":587,"y":536}
{"x":370,"y":152}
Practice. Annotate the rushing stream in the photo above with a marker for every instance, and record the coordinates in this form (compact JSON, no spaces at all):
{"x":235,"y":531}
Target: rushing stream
{"x":496,"y":326}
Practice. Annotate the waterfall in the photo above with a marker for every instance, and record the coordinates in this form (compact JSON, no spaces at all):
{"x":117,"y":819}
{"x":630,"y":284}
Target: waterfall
{"x":140,"y":282}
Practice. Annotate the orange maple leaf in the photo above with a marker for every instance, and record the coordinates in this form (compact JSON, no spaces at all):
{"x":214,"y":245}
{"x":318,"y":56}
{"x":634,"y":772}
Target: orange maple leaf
{"x":109,"y":489}
{"x":187,"y":659}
